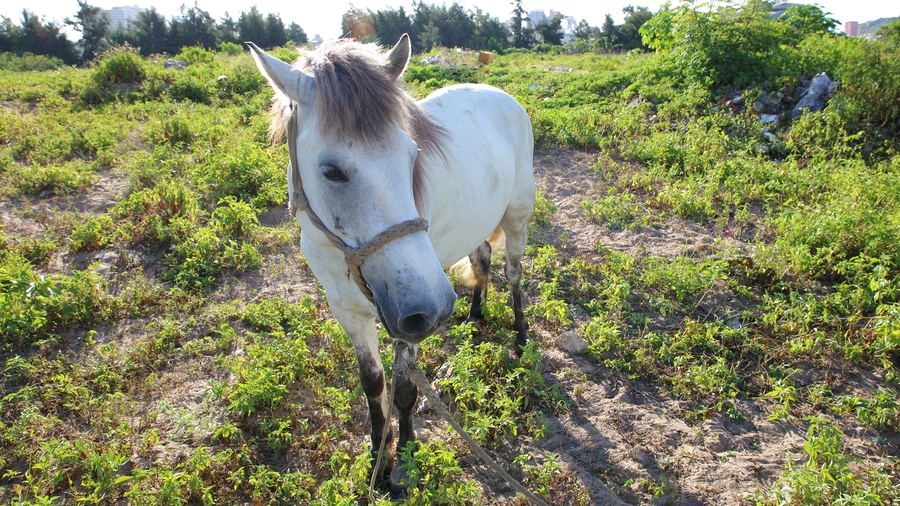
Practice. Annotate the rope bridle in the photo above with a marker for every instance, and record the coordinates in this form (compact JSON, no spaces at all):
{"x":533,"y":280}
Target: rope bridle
{"x":354,"y":257}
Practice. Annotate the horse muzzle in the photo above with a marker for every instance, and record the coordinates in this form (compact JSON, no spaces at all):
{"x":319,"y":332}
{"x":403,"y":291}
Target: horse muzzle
{"x":412,"y":324}
{"x":413,"y":295}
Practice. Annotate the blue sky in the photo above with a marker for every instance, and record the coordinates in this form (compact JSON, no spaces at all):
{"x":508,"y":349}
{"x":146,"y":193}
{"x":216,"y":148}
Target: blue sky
{"x":323,"y":17}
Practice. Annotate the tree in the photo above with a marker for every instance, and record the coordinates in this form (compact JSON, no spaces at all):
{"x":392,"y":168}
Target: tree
{"x":151,"y":32}
{"x":459,"y":28}
{"x":890,"y":33}
{"x":175,"y":38}
{"x":808,"y":19}
{"x":356,"y":24}
{"x":227,"y":30}
{"x":252,"y":27}
{"x":93,"y":24}
{"x":609,"y":33}
{"x":732,"y":46}
{"x":195,"y":27}
{"x":583,"y":31}
{"x":296,"y":34}
{"x":202,"y":27}
{"x":551,"y":31}
{"x":522,"y":35}
{"x":429,"y":22}
{"x":39,"y":37}
{"x":390,"y":24}
{"x":275,"y":33}
{"x":490,"y":33}
{"x":430,"y":37}
{"x":9,"y":35}
{"x":629,"y":31}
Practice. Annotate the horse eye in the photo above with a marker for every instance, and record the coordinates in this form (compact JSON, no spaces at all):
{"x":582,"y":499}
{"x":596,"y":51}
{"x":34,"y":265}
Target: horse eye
{"x":333,"y":173}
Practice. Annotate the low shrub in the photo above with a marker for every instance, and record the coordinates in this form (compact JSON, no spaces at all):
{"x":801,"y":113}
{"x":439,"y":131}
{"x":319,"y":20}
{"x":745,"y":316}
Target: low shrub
{"x":34,"y":307}
{"x":28,"y":62}
{"x":196,"y":56}
{"x":230,"y":48}
{"x":119,"y":65}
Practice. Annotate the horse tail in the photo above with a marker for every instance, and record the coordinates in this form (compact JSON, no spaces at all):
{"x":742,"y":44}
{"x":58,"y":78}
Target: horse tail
{"x":462,"y":270}
{"x":497,"y":240}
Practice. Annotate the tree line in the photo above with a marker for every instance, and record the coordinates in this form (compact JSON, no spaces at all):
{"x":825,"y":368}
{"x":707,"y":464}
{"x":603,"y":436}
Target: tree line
{"x":428,"y":25}
{"x":151,"y":32}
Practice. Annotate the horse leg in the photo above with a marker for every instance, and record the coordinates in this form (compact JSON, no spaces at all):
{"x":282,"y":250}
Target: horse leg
{"x":515,"y":225}
{"x":405,"y":395}
{"x":481,"y":266}
{"x":371,"y":375}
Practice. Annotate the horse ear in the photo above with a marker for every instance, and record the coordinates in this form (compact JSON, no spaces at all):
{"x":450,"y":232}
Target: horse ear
{"x":399,"y":57}
{"x":280,"y":75}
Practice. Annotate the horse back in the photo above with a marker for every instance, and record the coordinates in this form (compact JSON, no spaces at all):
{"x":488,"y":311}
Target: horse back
{"x":484,"y":169}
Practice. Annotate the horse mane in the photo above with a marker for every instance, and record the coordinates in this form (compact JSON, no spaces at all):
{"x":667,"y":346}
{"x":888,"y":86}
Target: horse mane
{"x":358,"y":97}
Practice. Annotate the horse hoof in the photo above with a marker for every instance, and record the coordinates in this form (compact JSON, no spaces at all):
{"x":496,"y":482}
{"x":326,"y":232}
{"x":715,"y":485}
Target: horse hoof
{"x":400,"y":481}
{"x":521,"y":341}
{"x":382,"y":475}
{"x":399,"y":484}
{"x":476,"y":322}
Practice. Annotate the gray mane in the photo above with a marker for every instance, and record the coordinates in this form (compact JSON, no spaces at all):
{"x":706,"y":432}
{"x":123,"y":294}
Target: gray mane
{"x":357,"y":97}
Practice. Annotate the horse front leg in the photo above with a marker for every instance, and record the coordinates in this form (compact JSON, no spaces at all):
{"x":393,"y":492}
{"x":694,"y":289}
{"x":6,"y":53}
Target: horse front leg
{"x":405,"y":395}
{"x":364,"y":336}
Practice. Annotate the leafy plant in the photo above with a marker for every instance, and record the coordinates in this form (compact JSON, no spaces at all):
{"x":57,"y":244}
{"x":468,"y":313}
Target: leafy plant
{"x":230,"y":48}
{"x":826,"y":476}
{"x":616,"y":211}
{"x":95,"y":233}
{"x":119,"y":65}
{"x":434,"y":475}
{"x":543,"y":209}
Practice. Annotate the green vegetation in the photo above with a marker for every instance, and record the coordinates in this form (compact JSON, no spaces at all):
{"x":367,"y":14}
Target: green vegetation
{"x":826,"y":476}
{"x":151,"y":33}
{"x":141,"y":362}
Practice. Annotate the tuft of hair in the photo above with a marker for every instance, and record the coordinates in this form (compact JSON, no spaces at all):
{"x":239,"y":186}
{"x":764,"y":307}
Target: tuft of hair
{"x":280,"y":114}
{"x":355,"y":92}
{"x":462,"y":270}
{"x":497,"y":240}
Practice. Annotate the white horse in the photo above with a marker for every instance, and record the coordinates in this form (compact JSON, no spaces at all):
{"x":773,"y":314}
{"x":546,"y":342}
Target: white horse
{"x":395,"y":191}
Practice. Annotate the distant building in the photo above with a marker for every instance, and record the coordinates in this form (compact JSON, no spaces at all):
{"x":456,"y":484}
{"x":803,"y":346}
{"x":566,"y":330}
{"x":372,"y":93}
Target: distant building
{"x":536,"y":17}
{"x":851,"y":28}
{"x":315,"y":41}
{"x":119,"y":17}
{"x":568,"y":26}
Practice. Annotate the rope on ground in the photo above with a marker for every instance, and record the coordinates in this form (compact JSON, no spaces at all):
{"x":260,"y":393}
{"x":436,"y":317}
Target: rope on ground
{"x":384,"y":432}
{"x":417,"y":377}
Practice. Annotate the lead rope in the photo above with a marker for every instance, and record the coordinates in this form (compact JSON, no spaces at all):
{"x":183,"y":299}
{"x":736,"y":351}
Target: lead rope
{"x":384,"y":431}
{"x":354,"y":258}
{"x":408,"y":365}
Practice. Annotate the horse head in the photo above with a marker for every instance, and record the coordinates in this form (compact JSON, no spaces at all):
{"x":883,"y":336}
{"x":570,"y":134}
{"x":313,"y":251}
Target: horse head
{"x":354,"y":152}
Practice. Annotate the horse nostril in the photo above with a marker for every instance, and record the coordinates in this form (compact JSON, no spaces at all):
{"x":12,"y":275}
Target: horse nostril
{"x":415,"y":324}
